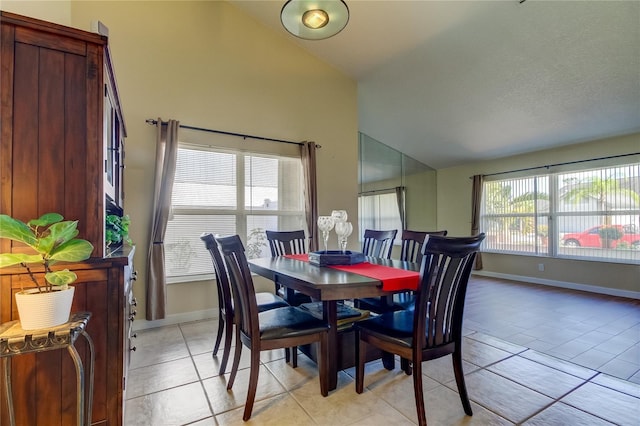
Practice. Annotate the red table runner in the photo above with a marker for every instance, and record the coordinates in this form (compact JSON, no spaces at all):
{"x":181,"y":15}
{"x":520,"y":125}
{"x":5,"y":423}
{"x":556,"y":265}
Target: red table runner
{"x":393,"y":279}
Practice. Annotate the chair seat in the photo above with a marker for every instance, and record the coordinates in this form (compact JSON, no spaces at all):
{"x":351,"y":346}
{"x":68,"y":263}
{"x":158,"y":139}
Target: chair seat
{"x":378,"y":305}
{"x":267,"y":301}
{"x":288,"y":322}
{"x":396,"y":327}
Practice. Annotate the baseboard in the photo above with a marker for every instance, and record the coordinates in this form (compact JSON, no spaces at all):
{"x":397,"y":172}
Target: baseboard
{"x":176,"y":319}
{"x":563,"y":284}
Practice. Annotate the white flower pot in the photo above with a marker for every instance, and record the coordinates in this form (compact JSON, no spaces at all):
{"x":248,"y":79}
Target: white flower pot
{"x":44,"y":310}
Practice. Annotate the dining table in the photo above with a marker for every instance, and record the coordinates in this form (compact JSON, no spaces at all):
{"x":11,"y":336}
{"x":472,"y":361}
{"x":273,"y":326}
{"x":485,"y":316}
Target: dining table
{"x":375,"y":277}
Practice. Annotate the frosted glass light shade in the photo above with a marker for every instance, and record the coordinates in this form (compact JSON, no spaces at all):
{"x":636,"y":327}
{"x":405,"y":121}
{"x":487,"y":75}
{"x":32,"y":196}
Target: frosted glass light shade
{"x":293,"y":18}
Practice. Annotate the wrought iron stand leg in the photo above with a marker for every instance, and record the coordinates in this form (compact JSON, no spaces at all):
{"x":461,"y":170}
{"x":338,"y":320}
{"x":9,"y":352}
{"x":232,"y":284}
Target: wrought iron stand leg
{"x":7,"y":385}
{"x":79,"y":382}
{"x":92,"y":360}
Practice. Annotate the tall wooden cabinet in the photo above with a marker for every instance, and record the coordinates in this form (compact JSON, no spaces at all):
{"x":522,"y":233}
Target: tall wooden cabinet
{"x":61,"y":150}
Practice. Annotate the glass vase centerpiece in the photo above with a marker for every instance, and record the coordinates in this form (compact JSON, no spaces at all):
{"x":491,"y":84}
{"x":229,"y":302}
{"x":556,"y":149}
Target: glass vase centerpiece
{"x":325,"y":225}
{"x":342,"y":227}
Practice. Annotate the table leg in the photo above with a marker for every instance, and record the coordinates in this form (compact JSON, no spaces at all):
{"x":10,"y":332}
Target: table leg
{"x":330,"y":315}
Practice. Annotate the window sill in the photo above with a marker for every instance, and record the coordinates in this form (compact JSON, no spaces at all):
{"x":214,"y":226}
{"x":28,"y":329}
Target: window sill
{"x":189,"y":279}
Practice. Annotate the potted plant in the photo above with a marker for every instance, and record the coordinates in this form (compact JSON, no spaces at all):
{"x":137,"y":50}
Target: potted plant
{"x":51,"y":240}
{"x":608,"y":234}
{"x":117,"y":230}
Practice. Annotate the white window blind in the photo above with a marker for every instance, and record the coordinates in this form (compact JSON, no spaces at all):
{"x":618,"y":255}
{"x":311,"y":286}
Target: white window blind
{"x":225,"y":192}
{"x":379,"y":212}
{"x":592,"y":214}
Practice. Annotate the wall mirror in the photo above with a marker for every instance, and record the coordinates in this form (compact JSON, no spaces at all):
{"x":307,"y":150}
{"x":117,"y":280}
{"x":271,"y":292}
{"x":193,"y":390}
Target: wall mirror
{"x":395,"y":190}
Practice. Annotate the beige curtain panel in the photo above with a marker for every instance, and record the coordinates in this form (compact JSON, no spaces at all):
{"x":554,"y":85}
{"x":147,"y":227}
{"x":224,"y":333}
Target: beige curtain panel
{"x":400,"y":198}
{"x":476,"y":204}
{"x":308,"y":157}
{"x":166,"y":153}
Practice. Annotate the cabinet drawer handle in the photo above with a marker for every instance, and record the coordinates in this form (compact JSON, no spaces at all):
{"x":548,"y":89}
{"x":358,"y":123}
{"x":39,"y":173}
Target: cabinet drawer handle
{"x":134,"y":275}
{"x":134,"y":302}
{"x":133,"y":349}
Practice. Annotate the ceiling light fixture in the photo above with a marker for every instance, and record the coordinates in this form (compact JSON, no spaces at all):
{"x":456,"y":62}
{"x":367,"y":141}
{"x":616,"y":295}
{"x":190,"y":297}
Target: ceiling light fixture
{"x":314,"y":20}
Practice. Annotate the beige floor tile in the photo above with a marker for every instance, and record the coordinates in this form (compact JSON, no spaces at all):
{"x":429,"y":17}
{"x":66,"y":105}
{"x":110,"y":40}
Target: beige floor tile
{"x":200,"y":335}
{"x":394,"y":386}
{"x":292,"y":378}
{"x":343,"y":406}
{"x":441,"y":369}
{"x":538,"y":377}
{"x":175,"y":406}
{"x":443,"y":407}
{"x":280,"y":410}
{"x":156,"y":377}
{"x":158,"y":345}
{"x":632,"y":389}
{"x":497,"y":343}
{"x":481,"y":354}
{"x":620,"y":368}
{"x":558,"y":364}
{"x":209,"y":421}
{"x":502,"y":396}
{"x":560,"y":414}
{"x":209,"y":365}
{"x":606,"y":403}
{"x":592,"y":358}
{"x":268,"y":356}
{"x":502,"y":392}
{"x":392,"y":417}
{"x":222,"y":400}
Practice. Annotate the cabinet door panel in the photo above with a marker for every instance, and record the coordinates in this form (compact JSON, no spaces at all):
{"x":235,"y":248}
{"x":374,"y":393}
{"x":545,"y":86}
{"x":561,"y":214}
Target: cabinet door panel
{"x":25,"y":136}
{"x":48,"y":167}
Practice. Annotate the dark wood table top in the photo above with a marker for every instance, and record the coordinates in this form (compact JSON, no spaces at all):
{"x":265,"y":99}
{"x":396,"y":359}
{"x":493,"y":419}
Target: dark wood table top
{"x":323,"y":282}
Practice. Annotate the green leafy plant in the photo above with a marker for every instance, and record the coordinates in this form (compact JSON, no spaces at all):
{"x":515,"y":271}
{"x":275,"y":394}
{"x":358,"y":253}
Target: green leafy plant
{"x":256,"y":242}
{"x":608,"y":234}
{"x":53,"y":240}
{"x":117,"y":229}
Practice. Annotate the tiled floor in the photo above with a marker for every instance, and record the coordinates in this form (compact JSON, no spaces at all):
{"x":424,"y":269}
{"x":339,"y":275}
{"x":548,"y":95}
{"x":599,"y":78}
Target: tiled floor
{"x":533,"y":355}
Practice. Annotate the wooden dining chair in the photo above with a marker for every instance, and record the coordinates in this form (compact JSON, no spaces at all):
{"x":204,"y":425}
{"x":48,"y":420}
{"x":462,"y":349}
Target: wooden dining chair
{"x":226,"y":315}
{"x":288,"y":242}
{"x":411,"y":251}
{"x":273,"y":329}
{"x":412,"y":241}
{"x":434,"y":327}
{"x":378,"y":243}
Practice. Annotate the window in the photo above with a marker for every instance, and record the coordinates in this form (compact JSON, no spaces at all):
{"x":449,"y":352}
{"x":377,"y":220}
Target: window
{"x":379,"y":211}
{"x":226,"y":192}
{"x":592,"y":214}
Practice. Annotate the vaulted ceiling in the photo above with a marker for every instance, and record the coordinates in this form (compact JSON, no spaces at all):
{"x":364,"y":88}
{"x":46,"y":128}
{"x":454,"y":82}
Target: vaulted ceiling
{"x":451,"y":82}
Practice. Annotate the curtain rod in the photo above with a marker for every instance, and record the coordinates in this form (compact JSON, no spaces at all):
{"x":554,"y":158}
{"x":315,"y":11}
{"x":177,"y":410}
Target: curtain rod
{"x":382,"y":190}
{"x":559,"y":164}
{"x":241,"y":135}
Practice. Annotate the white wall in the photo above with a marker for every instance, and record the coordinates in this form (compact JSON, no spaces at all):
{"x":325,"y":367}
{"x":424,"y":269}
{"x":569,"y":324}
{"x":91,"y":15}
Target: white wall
{"x":55,"y":11}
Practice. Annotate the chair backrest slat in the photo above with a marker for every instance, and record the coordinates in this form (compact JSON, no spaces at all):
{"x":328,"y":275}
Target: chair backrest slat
{"x":222,"y":277}
{"x":378,"y":243}
{"x":444,"y":275}
{"x":412,"y":241}
{"x":242,"y":285}
{"x":286,"y":242}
